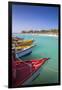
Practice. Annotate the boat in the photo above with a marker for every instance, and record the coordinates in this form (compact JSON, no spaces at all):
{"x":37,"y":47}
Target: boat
{"x":24,"y":51}
{"x":24,"y":46}
{"x":21,"y":47}
{"x":15,"y":39}
{"x":24,"y":72}
{"x":24,"y":42}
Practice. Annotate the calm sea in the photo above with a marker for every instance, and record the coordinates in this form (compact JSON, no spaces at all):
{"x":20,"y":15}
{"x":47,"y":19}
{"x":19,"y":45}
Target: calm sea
{"x":45,"y":47}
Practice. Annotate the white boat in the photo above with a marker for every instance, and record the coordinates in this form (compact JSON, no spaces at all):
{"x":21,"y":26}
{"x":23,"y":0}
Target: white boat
{"x":24,"y":51}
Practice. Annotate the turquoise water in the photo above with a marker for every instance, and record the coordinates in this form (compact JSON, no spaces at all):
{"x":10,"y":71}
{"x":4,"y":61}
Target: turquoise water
{"x":45,"y":47}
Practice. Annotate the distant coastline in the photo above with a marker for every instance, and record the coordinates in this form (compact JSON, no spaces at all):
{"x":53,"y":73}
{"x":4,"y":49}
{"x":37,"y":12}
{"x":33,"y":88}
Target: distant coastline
{"x":53,"y":32}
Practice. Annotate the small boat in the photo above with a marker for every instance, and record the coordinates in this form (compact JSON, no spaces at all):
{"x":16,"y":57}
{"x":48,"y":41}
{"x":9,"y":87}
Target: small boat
{"x":24,"y":51}
{"x":21,"y":47}
{"x":24,"y":72}
{"x":24,"y":46}
{"x":24,"y":42}
{"x":15,"y":39}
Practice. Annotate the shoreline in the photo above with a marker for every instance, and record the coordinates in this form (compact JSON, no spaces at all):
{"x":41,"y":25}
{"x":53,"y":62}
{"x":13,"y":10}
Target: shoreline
{"x":51,"y":35}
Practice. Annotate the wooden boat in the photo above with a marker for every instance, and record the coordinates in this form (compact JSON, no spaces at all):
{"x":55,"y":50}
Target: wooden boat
{"x":24,"y":46}
{"x":15,"y":39}
{"x":23,"y":73}
{"x":24,"y":42}
{"x":21,"y":47}
{"x":24,"y":51}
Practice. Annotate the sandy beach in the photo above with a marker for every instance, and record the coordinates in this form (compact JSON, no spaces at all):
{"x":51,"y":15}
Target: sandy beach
{"x":51,"y":35}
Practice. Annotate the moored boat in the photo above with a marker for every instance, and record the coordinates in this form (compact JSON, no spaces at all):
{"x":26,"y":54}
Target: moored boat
{"x":24,"y":72}
{"x":24,"y":46}
{"x":24,"y":42}
{"x":16,"y":39}
{"x":24,"y":51}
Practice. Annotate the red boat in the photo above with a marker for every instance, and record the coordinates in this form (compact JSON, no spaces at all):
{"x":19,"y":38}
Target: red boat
{"x":23,"y":72}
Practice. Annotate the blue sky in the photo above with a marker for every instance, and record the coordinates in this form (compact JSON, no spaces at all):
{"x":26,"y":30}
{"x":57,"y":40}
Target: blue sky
{"x":25,"y":17}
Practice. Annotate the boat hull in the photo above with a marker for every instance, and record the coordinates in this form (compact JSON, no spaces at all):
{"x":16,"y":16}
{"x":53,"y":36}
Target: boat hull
{"x":25,"y":72}
{"x":24,"y":42}
{"x":33,"y":76}
{"x":24,"y":52}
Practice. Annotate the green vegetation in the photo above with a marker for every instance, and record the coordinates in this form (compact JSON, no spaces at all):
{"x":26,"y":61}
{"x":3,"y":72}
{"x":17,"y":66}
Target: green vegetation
{"x":52,"y":31}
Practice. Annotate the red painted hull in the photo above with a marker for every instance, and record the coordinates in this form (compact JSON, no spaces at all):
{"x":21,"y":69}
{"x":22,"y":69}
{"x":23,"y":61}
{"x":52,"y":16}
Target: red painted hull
{"x":22,"y":71}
